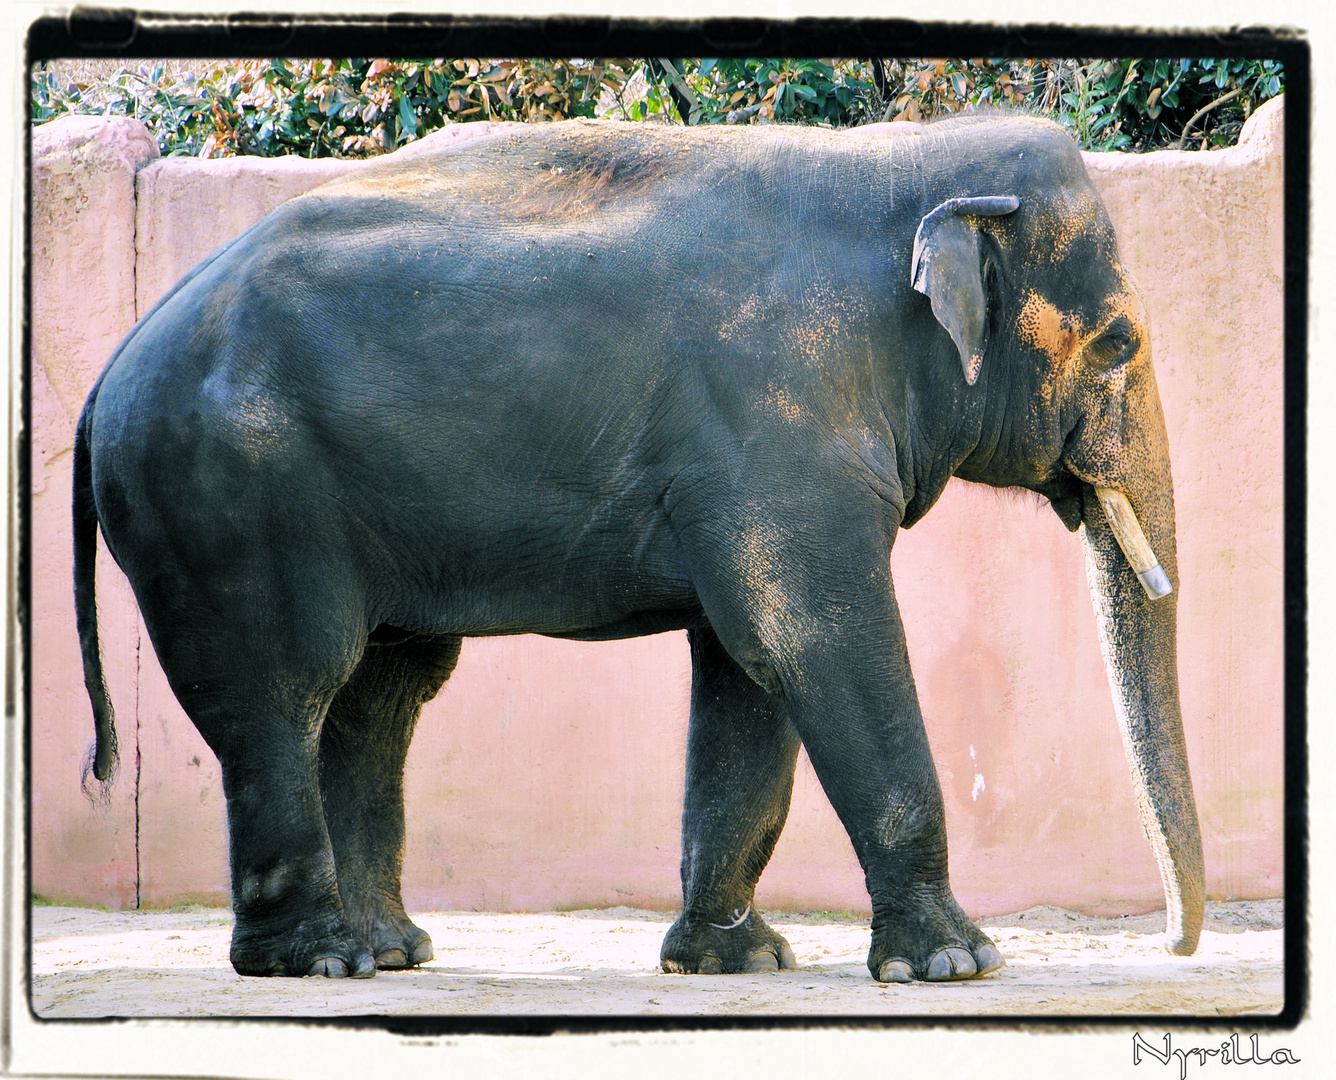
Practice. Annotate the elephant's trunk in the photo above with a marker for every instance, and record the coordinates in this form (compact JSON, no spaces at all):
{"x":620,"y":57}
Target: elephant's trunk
{"x":1138,"y":637}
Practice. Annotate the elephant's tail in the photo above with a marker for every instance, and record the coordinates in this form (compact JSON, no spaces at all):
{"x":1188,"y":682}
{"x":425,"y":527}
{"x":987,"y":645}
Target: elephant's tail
{"x":100,"y":765}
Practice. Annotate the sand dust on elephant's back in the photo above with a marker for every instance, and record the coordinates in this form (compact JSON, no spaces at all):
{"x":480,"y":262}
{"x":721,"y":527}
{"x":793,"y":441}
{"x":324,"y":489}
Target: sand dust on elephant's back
{"x":154,"y":964}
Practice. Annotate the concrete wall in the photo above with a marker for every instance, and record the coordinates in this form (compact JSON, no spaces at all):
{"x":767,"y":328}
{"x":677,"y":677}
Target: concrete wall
{"x":550,"y":773}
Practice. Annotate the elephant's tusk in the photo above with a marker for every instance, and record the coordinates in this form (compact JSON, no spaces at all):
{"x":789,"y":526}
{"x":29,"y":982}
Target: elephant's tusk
{"x":1127,"y":531}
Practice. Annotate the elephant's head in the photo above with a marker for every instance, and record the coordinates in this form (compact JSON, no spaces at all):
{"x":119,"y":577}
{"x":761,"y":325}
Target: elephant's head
{"x":1054,"y":344}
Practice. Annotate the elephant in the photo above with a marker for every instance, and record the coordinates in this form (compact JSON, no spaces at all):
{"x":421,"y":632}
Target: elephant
{"x":593,"y":381}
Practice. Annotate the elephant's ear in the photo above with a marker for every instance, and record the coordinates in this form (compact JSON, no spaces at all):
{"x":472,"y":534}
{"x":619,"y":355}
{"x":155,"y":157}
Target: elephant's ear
{"x":948,"y":270}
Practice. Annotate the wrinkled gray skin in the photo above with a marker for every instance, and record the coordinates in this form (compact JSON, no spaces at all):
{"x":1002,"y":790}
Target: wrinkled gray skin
{"x":596,"y":381}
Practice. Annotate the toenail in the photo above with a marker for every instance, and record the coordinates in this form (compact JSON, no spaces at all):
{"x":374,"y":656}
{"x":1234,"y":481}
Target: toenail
{"x":331,"y":967}
{"x":952,"y":963}
{"x":896,"y":971}
{"x":989,"y":958}
{"x":761,"y":962}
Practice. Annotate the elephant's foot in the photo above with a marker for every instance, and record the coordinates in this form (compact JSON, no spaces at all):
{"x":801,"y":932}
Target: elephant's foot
{"x":934,"y":941}
{"x":394,"y":939}
{"x":318,"y":946}
{"x":697,"y":945}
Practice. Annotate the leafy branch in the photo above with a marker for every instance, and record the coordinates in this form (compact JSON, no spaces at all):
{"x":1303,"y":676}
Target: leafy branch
{"x":363,"y":107}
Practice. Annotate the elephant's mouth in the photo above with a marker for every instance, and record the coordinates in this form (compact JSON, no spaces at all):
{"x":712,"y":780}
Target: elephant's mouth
{"x":1067,"y":495}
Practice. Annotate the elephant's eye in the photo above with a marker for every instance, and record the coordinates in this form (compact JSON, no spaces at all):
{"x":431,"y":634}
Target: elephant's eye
{"x":1116,"y":345}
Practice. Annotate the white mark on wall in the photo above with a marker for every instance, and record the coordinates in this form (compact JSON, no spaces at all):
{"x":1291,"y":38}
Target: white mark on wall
{"x":979,"y":784}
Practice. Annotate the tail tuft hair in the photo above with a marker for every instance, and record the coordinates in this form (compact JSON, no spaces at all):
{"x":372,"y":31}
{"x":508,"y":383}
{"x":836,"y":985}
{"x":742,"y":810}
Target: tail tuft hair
{"x":98,"y":791}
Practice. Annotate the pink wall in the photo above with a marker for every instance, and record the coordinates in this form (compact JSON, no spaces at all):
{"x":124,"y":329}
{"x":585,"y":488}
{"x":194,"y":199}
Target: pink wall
{"x":550,"y":773}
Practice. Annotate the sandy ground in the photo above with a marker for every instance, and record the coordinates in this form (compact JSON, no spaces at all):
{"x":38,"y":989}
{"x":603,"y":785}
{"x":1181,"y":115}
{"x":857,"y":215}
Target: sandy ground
{"x":158,"y":964}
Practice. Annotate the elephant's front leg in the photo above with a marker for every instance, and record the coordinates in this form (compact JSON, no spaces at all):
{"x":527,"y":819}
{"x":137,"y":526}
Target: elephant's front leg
{"x":799,"y":592}
{"x":856,"y":709}
{"x":741,"y":751}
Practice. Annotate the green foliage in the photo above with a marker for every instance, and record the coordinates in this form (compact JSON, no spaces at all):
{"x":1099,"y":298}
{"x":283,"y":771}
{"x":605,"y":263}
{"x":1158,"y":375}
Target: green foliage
{"x":1149,"y":104}
{"x":363,"y":107}
{"x":838,"y":93}
{"x":322,"y":108}
{"x":1124,"y":104}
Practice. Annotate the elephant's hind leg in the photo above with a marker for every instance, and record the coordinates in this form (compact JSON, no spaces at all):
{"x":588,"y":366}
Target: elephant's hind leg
{"x":741,"y":751}
{"x":363,"y":747}
{"x":263,"y":718}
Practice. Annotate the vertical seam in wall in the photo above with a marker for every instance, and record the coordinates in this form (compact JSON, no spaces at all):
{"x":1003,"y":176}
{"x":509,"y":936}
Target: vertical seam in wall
{"x":134,"y":251}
